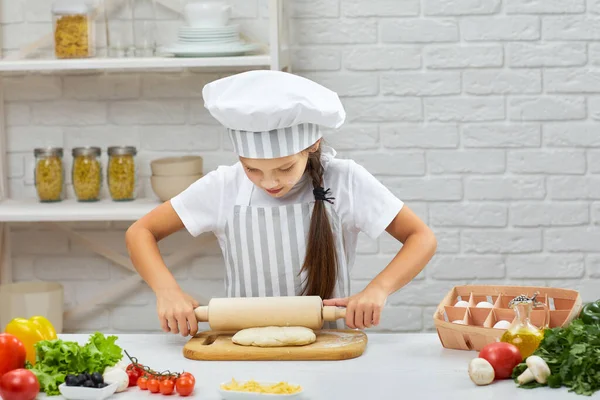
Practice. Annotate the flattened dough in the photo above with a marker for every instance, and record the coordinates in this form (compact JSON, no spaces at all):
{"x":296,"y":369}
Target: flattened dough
{"x":275,"y":336}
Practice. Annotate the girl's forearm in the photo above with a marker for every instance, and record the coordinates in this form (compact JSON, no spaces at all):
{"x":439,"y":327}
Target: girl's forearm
{"x":416,"y":252}
{"x":145,"y":256}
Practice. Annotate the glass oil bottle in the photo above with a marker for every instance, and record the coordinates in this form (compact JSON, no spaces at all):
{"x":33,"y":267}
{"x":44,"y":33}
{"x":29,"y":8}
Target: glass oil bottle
{"x":522,"y":333}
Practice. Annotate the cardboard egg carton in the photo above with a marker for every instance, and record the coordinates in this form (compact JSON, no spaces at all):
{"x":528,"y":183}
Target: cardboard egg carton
{"x":470,"y":327}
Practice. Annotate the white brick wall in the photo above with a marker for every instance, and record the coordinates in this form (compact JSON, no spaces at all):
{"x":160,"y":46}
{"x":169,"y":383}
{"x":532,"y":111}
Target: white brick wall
{"x":481,"y":114}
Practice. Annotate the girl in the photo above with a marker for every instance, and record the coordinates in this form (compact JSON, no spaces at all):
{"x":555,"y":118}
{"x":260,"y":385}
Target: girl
{"x":287,"y":215}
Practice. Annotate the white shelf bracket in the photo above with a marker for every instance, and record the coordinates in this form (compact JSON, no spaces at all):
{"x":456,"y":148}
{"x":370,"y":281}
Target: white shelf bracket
{"x":94,"y":246}
{"x":127,"y":286}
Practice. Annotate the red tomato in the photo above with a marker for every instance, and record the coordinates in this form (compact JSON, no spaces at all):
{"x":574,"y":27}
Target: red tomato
{"x":139,"y":368}
{"x":142,"y":382}
{"x":133,"y":377}
{"x":504,"y":357}
{"x":12,"y":353}
{"x":167,"y":386}
{"x":19,"y":384}
{"x":153,"y":385}
{"x":134,"y":372}
{"x":185,"y":385}
{"x":188,"y":375}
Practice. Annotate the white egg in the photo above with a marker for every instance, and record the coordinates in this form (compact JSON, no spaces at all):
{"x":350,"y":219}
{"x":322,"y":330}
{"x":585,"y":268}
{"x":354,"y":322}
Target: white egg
{"x":502,"y":325}
{"x":459,"y":321}
{"x":462,"y":303}
{"x":484,"y":304}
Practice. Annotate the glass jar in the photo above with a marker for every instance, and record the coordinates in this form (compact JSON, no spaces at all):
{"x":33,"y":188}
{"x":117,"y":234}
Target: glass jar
{"x":74,"y":29}
{"x":121,"y":173}
{"x":522,"y":333}
{"x":119,"y":28}
{"x":144,"y":27}
{"x":87,"y":173}
{"x":49,"y":174}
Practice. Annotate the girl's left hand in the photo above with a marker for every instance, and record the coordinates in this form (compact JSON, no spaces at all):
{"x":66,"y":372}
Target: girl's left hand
{"x":363,"y":310}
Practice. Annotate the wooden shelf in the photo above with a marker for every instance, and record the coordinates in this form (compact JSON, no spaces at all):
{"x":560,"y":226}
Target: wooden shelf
{"x":72,"y":210}
{"x":149,"y":63}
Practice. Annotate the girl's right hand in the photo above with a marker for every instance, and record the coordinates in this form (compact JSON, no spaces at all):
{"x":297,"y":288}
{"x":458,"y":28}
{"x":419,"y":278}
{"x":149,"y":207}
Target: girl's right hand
{"x":176,"y":312}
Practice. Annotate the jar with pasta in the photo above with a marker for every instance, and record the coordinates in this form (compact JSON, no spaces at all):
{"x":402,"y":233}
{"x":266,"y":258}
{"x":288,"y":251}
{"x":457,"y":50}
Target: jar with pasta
{"x":74,"y":29}
{"x":49,"y":177}
{"x":121,"y":173}
{"x":87,"y":173}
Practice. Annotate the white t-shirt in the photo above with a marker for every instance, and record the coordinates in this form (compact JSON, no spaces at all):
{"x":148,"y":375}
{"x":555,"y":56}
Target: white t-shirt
{"x":362,"y":202}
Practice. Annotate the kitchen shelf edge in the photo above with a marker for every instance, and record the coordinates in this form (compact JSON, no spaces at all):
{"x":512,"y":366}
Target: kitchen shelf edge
{"x":33,"y":65}
{"x":12,"y":210}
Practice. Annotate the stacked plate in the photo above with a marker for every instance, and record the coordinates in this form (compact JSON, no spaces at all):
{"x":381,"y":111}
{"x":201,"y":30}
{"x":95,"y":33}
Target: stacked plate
{"x":221,"y":34}
{"x":209,"y":42}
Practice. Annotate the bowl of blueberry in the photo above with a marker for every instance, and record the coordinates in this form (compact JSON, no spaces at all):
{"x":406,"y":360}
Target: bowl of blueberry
{"x":87,"y":386}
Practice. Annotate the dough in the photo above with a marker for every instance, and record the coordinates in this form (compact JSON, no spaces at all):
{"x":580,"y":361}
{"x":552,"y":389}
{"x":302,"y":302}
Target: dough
{"x":275,"y":336}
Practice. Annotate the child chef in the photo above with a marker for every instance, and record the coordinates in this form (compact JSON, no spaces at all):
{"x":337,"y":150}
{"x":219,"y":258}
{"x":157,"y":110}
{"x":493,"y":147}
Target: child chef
{"x":288,"y":214}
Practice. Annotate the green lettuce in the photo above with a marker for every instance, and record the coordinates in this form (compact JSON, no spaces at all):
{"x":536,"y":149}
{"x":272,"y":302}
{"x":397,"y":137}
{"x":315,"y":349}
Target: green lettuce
{"x":55,"y":359}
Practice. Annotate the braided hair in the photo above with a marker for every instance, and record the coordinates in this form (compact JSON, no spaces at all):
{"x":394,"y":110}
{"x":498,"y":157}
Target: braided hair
{"x":320,"y":262}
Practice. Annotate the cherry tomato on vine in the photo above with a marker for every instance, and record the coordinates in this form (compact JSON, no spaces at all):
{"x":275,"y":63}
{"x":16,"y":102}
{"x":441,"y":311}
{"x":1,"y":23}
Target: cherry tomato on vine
{"x":133,"y":377}
{"x":139,"y":368}
{"x":188,"y":375}
{"x":167,"y":386}
{"x":142,"y":383}
{"x":185,"y":385}
{"x":153,"y":385}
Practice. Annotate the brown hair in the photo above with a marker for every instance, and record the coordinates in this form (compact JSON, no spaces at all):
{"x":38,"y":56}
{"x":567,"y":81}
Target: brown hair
{"x":320,"y":261}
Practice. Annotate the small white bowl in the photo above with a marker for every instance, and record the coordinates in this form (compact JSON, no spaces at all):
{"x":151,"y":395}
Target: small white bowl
{"x":235,"y":395}
{"x":212,"y":13}
{"x":86,"y":393}
{"x":177,"y":166}
{"x":167,"y":187}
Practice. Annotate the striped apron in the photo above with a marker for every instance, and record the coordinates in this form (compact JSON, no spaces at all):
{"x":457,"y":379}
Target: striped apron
{"x":265,"y":247}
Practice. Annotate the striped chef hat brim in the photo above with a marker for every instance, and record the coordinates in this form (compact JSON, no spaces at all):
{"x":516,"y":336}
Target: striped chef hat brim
{"x":275,"y":143}
{"x":272,"y":114}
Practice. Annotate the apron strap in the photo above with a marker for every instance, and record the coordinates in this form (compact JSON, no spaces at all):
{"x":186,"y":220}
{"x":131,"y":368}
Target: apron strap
{"x":245,"y":193}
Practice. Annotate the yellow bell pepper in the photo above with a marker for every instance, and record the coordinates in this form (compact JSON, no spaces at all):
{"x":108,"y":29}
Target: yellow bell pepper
{"x":45,"y":326}
{"x":30,"y":331}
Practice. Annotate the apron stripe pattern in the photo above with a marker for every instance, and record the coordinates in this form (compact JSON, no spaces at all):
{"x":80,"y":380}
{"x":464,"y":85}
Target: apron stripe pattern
{"x":276,"y":143}
{"x":265,"y":247}
{"x":275,"y":251}
{"x":233,"y":286}
{"x":258,"y":259}
{"x":228,"y":265}
{"x":287,"y":249}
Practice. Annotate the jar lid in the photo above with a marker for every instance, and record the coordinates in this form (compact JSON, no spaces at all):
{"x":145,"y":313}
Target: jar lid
{"x":87,"y":151}
{"x":121,"y":150}
{"x":48,"y":151}
{"x":71,"y":7}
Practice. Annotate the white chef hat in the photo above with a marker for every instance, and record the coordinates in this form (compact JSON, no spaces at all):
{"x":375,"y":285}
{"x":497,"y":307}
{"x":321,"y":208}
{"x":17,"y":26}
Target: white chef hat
{"x":271,"y":114}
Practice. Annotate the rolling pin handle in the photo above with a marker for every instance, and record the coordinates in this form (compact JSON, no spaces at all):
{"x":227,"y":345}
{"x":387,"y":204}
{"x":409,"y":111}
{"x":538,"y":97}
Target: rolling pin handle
{"x":201,"y":313}
{"x":332,"y":313}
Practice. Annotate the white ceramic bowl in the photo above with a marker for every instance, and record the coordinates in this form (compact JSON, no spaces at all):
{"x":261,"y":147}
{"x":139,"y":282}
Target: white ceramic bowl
{"x":85,"y":393}
{"x":167,"y":187}
{"x":207,"y":13}
{"x":170,"y":166}
{"x":234,"y":395}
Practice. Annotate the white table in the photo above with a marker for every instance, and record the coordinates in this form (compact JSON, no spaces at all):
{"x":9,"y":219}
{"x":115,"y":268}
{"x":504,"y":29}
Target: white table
{"x":394,"y":366}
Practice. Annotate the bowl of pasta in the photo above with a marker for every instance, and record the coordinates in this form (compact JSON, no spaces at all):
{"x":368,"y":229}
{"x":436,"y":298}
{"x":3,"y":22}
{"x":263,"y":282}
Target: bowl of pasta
{"x":251,"y":389}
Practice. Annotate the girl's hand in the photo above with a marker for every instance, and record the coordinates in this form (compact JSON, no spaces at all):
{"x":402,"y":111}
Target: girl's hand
{"x":363,"y":309}
{"x":176,"y":312}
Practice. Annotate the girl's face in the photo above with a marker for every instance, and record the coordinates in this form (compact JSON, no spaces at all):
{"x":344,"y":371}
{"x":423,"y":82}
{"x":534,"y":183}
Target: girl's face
{"x":277,"y":176}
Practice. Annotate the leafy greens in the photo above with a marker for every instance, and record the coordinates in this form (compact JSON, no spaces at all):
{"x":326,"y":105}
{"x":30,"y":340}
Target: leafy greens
{"x":55,"y":359}
{"x":573,"y":356}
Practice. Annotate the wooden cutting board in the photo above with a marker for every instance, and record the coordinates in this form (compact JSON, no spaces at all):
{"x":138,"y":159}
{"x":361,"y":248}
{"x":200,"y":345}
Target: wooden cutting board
{"x":331,"y":344}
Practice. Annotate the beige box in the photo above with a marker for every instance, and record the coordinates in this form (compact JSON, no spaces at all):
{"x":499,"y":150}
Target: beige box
{"x":26,"y":299}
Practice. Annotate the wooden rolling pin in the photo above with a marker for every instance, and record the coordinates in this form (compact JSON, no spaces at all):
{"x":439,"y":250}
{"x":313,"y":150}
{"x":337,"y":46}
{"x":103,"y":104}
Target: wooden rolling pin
{"x":236,"y":313}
